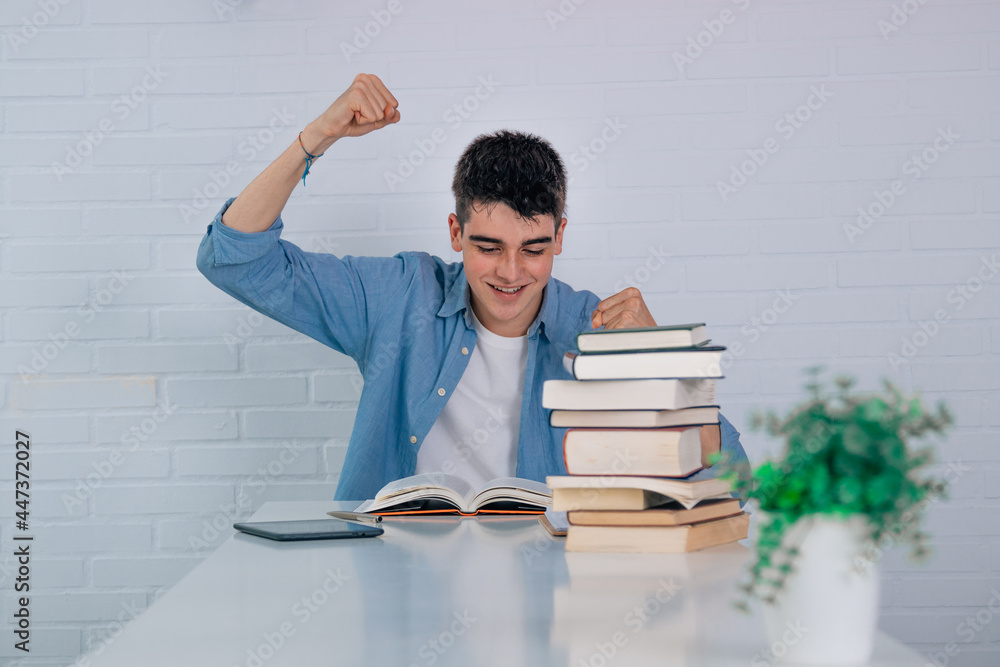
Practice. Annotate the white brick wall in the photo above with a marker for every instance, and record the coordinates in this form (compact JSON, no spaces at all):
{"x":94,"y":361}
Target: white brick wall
{"x":159,"y":407}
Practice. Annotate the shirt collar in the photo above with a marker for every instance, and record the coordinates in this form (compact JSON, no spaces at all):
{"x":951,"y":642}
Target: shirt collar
{"x":458,"y":298}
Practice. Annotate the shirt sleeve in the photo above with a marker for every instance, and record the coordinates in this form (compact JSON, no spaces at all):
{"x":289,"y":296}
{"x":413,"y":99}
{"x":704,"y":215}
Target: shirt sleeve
{"x":735,"y":456}
{"x":330,"y":299}
{"x":732,"y":449}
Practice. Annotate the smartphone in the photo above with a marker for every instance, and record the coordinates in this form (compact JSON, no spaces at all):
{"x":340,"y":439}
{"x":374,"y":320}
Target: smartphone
{"x":307,"y":529}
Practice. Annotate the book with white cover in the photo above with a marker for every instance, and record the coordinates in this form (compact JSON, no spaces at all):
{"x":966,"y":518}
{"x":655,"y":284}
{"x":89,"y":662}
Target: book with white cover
{"x":655,"y":394}
{"x":698,"y":362}
{"x":634,"y":418}
{"x":653,"y":452}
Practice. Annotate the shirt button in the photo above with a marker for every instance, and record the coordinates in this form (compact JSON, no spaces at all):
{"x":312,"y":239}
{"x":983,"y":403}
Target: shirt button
{"x":413,"y":439}
{"x":465,"y":350}
{"x":441,"y":391}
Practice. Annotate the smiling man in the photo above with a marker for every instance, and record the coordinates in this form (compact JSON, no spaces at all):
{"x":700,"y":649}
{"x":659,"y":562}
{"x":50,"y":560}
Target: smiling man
{"x":453,"y":355}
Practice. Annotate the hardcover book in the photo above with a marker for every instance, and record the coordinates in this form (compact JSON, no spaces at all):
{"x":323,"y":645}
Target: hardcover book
{"x":700,"y":362}
{"x":642,"y":338}
{"x":634,"y":418}
{"x":661,"y":452}
{"x":658,"y":539}
{"x":656,"y":394}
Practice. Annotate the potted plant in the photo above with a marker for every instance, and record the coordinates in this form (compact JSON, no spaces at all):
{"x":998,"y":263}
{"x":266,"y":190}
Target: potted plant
{"x":846,"y":481}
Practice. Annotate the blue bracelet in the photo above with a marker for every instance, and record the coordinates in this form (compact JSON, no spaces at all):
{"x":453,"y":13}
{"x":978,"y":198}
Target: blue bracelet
{"x":310,"y":158}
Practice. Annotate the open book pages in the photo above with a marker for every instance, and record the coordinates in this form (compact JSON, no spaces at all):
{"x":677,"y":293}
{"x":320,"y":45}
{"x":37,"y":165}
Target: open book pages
{"x":445,"y":493}
{"x":686,"y":492}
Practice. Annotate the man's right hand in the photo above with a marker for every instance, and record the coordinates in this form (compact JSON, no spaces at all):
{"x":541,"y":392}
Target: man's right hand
{"x":365,"y":106}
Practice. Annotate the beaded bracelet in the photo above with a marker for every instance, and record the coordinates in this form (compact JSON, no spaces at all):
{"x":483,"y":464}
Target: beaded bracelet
{"x":310,"y":158}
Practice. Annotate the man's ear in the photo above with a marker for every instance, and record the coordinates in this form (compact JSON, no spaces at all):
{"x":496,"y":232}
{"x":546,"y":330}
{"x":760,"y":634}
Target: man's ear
{"x":455,"y":231}
{"x":557,"y":244}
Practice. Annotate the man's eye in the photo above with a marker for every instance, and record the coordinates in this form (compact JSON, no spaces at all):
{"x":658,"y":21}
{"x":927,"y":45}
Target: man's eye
{"x":535,"y":253}
{"x":488,"y":251}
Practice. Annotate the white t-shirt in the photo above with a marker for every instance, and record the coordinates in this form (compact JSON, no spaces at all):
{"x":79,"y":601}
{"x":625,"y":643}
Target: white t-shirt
{"x":475,"y":436}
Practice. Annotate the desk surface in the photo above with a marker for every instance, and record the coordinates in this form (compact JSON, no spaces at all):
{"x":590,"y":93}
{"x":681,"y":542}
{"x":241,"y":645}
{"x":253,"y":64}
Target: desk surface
{"x":449,"y":591}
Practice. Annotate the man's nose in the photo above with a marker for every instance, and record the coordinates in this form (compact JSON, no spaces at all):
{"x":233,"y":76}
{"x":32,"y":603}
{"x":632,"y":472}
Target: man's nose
{"x":509,"y":267}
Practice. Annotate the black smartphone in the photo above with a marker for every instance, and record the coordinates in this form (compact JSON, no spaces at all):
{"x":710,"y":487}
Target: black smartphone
{"x":307,"y":529}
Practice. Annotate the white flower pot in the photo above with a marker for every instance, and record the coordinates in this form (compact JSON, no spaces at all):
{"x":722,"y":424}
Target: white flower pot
{"x":827,"y":612}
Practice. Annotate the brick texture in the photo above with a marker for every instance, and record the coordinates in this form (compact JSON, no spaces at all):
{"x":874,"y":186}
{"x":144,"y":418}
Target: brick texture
{"x":704,"y":169}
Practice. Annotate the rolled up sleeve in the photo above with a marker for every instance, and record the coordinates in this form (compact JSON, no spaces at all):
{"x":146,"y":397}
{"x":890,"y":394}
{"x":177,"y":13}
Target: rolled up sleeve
{"x":329,"y":299}
{"x":224,"y":245}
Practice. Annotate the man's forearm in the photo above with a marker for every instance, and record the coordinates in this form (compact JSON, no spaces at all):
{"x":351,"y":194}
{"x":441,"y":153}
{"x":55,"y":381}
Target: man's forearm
{"x":261,"y":202}
{"x":365,"y":106}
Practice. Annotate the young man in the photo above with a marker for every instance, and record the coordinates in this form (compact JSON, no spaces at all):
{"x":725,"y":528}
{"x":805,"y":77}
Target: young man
{"x":453,"y":355}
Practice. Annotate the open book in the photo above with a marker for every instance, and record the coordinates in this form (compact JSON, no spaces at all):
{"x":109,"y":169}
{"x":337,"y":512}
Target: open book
{"x":441,"y":493}
{"x":626,"y":492}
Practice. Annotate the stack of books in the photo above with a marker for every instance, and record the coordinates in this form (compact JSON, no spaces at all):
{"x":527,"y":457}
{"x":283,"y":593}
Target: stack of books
{"x":634,"y":414}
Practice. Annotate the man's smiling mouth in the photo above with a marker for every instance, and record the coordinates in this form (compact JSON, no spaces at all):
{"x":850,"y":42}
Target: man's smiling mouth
{"x":507,"y":290}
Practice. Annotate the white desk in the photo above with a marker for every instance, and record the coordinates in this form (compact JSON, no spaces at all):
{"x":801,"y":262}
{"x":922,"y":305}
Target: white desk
{"x":448,"y":591}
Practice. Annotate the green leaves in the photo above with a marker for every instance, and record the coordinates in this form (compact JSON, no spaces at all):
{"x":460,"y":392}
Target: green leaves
{"x":844,"y":455}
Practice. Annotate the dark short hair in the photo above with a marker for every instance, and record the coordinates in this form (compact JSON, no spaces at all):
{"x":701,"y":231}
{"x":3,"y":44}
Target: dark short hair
{"x":517,"y":169}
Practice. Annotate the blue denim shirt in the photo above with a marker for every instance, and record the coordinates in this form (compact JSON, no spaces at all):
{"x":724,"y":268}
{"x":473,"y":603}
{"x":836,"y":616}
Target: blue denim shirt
{"x":405,"y":321}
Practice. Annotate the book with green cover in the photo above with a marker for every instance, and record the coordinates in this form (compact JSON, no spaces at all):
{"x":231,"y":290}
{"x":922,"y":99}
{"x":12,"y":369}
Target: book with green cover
{"x":642,"y":338}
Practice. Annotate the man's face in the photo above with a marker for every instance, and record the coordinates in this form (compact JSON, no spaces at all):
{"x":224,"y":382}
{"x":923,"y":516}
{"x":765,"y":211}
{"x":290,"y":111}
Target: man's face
{"x":508,"y":261}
